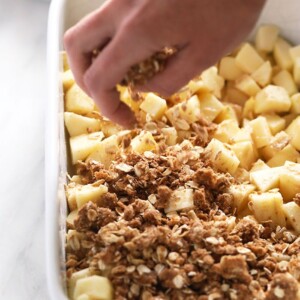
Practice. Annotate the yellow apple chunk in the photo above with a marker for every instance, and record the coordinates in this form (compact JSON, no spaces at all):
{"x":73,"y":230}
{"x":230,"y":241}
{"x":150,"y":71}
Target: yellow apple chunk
{"x":285,"y":80}
{"x":170,"y":134}
{"x":67,"y":80}
{"x":228,"y":68}
{"x":222,"y":157}
{"x":106,"y":151}
{"x":288,"y":153}
{"x":277,"y":143}
{"x":282,"y":54}
{"x":261,"y":132}
{"x":247,"y":85}
{"x":268,"y":207}
{"x":290,"y":181}
{"x":275,"y":122}
{"x":77,"y":124}
{"x":295,"y":53}
{"x":248,"y":59}
{"x":259,"y":165}
{"x":292,"y":213}
{"x":73,"y":279}
{"x":266,"y":179}
{"x":210,"y":106}
{"x":179,"y":200}
{"x":294,"y":133}
{"x":226,"y":131}
{"x":263,"y":74}
{"x":245,"y":152}
{"x":266,"y":37}
{"x":96,"y":287}
{"x":77,"y":101}
{"x":272,"y":99}
{"x":154,"y":105}
{"x":213,"y":80}
{"x":296,"y":72}
{"x":240,"y":193}
{"x":143,"y":142}
{"x":89,"y":192}
{"x":295,"y":108}
{"x":83,"y":145}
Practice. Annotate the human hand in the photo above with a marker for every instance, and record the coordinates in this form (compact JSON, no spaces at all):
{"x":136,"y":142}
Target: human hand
{"x":130,"y":31}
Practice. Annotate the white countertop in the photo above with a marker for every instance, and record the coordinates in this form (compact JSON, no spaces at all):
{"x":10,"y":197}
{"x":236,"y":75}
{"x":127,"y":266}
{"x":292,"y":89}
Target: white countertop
{"x":22,"y":99}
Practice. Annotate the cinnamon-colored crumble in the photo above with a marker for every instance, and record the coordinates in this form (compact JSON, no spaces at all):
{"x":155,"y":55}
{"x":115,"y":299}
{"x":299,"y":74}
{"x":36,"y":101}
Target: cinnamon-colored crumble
{"x":203,"y":252}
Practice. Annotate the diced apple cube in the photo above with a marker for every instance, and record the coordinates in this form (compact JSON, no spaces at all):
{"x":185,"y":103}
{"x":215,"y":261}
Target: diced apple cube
{"x":268,"y":207}
{"x":282,"y":54}
{"x":70,"y":195}
{"x":248,"y":59}
{"x":67,"y":80}
{"x":226,"y":131}
{"x":77,"y":124}
{"x":228,"y":68}
{"x":191,"y":110}
{"x":240,"y":193}
{"x":243,"y":135}
{"x":275,"y":122}
{"x":154,"y":105}
{"x":106,"y":151}
{"x":277,"y":143}
{"x":233,"y":95}
{"x":83,"y":145}
{"x":245,"y":153}
{"x":73,"y":279}
{"x":64,"y":60}
{"x":248,"y":110}
{"x":294,"y":133}
{"x":195,"y":86}
{"x":170,"y":134}
{"x":272,"y":99}
{"x":290,"y":181}
{"x":210,"y":106}
{"x":96,"y":287}
{"x":295,"y":53}
{"x":126,"y":98}
{"x":71,"y":217}
{"x":179,"y":200}
{"x":266,"y":179}
{"x":285,"y":80}
{"x":266,"y":37}
{"x":86,"y":193}
{"x":247,"y":85}
{"x":295,"y":108}
{"x":213,"y":80}
{"x":222,"y":157}
{"x":288,"y":153}
{"x":292,"y":213}
{"x":143,"y":142}
{"x":263,"y":74}
{"x":259,"y":165}
{"x":77,"y":101}
{"x":228,"y":113}
{"x":83,"y":297}
{"x":296,"y":72}
{"x":261,"y":132}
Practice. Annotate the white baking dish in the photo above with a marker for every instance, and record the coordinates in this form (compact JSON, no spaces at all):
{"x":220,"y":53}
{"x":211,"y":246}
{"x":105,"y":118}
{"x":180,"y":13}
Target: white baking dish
{"x":63,"y":14}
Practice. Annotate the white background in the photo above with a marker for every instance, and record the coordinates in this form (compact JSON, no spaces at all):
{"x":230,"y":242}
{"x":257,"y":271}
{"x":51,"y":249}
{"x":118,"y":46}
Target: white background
{"x":22,"y":101}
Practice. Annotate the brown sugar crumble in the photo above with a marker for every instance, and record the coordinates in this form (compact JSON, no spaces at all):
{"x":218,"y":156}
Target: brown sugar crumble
{"x":199,"y":252}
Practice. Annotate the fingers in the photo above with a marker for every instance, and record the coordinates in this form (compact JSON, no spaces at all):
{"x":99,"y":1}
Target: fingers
{"x":110,"y":67}
{"x":90,"y":33}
